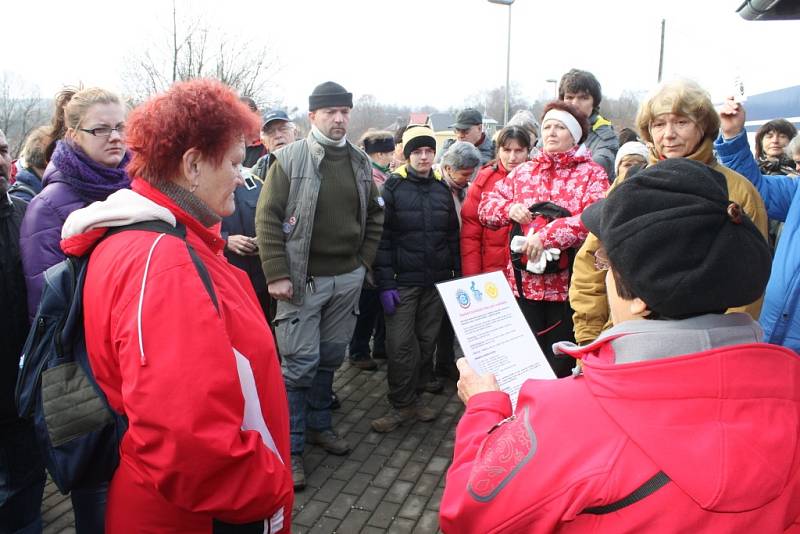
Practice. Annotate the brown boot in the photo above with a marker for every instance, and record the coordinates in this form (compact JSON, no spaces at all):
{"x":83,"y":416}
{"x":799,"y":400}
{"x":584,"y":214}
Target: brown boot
{"x":394,"y":418}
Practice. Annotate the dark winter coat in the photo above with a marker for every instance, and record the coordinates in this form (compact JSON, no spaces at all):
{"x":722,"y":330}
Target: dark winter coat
{"x":602,"y":141}
{"x":14,"y":311}
{"x":486,"y":148}
{"x":419,"y":246}
{"x":243,"y":222}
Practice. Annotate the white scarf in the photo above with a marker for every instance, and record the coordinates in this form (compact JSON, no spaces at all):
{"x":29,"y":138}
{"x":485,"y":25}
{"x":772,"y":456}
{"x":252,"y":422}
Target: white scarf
{"x":325,"y":140}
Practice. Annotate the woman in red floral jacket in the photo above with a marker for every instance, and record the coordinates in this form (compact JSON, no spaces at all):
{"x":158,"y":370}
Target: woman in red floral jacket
{"x":485,"y":249}
{"x":564,"y":174}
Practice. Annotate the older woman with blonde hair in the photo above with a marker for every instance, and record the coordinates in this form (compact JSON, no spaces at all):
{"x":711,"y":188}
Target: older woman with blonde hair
{"x":677,"y":121}
{"x":183,"y":352}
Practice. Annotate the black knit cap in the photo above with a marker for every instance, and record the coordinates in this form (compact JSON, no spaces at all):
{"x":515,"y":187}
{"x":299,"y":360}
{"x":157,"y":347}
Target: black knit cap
{"x":678,"y":242}
{"x":379,"y":145}
{"x":329,"y":95}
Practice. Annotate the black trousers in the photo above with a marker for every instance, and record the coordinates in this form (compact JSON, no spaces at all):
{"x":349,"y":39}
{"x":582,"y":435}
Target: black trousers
{"x":550,"y":322}
{"x":410,"y":342}
{"x":445,"y":341}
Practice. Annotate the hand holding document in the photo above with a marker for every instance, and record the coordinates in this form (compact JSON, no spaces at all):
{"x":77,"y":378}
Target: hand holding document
{"x":492,"y":331}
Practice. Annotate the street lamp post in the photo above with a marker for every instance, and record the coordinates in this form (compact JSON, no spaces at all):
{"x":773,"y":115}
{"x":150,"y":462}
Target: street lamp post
{"x":508,"y":56}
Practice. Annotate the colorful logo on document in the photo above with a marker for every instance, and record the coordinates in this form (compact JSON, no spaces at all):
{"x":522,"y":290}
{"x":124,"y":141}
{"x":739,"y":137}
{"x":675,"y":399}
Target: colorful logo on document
{"x":476,"y":293}
{"x":462,"y":298}
{"x":491,"y":289}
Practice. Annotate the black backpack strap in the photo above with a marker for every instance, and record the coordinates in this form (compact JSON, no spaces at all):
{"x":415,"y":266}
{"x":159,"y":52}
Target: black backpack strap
{"x":658,"y":481}
{"x":179,"y":231}
{"x":205,"y":277}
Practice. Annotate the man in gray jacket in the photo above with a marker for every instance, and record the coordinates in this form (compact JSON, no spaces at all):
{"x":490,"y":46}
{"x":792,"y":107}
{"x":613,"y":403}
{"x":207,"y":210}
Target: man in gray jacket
{"x":318,"y":223}
{"x":581,"y":89}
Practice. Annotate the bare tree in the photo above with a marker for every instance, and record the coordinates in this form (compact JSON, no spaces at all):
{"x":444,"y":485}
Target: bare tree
{"x":369,"y":113}
{"x":192,"y":48}
{"x":491,"y":102}
{"x":621,"y":111}
{"x":21,"y":110}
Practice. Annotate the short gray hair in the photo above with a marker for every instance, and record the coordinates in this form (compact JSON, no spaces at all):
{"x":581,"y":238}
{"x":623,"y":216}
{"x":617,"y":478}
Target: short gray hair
{"x":525,"y":119}
{"x":793,"y":147}
{"x":462,"y":155}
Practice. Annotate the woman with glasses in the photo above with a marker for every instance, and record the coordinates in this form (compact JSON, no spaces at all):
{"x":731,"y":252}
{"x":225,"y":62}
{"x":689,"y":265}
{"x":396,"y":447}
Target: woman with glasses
{"x":677,"y":121}
{"x":559,"y":182}
{"x":88,"y":164}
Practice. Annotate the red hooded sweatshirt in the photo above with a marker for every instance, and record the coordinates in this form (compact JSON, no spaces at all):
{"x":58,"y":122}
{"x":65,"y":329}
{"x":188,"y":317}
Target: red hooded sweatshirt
{"x":721,"y":423}
{"x":208,"y":432}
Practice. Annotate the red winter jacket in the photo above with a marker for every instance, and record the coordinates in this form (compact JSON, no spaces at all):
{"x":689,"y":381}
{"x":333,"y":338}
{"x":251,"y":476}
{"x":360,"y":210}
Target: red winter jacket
{"x":208,"y":432}
{"x":569,"y":179}
{"x":722,"y":424}
{"x":483,"y":249}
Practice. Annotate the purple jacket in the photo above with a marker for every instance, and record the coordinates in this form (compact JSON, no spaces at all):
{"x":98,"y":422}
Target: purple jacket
{"x":40,"y":233}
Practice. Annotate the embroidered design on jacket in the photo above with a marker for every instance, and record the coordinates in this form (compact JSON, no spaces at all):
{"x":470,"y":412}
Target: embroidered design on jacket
{"x":505,"y":452}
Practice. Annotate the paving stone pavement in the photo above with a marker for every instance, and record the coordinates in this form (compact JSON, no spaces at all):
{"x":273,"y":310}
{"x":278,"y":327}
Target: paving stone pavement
{"x":388,"y":483}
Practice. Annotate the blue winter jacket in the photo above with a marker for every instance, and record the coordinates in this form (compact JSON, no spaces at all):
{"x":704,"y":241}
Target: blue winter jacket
{"x":780,"y":315}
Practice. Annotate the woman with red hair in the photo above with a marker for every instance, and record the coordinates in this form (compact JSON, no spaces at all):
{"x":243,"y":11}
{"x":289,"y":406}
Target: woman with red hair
{"x":175,"y":335}
{"x":545,"y":197}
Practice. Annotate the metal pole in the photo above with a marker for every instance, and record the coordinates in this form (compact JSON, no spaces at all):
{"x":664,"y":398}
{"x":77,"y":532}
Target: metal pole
{"x":661,"y":54}
{"x":508,"y":68}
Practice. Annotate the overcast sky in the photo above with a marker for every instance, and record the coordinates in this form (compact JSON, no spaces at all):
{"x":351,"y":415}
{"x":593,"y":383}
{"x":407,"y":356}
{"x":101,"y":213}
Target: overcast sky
{"x":417,"y":52}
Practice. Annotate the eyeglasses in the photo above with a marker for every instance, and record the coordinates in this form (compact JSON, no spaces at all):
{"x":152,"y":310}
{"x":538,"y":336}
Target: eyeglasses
{"x":105,"y":131}
{"x":601,"y":262}
{"x":679,"y":124}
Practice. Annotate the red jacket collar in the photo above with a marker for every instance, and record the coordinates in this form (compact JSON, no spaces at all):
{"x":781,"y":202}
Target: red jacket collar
{"x":210,"y":236}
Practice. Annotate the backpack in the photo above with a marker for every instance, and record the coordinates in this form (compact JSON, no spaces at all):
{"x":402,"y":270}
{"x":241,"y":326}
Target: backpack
{"x":77,"y":431}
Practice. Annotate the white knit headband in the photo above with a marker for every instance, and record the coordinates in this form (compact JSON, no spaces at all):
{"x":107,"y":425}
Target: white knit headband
{"x":567,"y":120}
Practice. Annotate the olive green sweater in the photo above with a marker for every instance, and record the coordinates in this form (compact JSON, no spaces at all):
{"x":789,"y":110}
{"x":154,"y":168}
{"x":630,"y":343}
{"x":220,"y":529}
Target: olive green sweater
{"x":335,"y":240}
{"x":335,"y":246}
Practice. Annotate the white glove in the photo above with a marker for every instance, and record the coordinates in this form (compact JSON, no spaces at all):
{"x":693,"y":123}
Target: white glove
{"x":517,"y":242}
{"x":538,"y":267}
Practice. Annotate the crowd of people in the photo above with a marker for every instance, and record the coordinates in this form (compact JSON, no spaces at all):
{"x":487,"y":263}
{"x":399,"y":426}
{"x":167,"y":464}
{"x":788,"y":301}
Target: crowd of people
{"x":659,"y":273}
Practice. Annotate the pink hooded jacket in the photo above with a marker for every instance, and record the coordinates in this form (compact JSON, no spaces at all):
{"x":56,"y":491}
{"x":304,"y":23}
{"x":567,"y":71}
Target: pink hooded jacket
{"x":722,"y":424}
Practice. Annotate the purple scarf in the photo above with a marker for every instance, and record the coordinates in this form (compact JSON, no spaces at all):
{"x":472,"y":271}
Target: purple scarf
{"x":90,"y":180}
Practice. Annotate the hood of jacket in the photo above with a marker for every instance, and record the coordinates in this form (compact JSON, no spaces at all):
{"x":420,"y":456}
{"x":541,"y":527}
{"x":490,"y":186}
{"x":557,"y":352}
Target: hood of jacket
{"x":721,"y":418}
{"x":85,"y":226}
{"x":27,"y":177}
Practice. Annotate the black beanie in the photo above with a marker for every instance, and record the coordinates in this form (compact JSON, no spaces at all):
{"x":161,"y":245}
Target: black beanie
{"x":329,"y":95}
{"x":417,"y":136}
{"x":379,"y":144}
{"x":678,"y":242}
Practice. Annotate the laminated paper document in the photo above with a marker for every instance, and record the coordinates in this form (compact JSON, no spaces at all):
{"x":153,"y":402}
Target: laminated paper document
{"x":493,"y":332}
